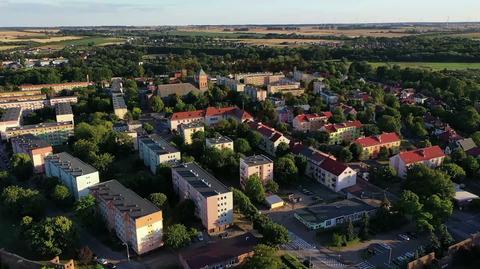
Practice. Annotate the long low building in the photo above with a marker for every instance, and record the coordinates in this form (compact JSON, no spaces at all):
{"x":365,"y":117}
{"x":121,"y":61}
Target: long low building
{"x":25,"y":105}
{"x":154,"y":150}
{"x":431,"y":157}
{"x":225,"y":253}
{"x":337,"y":213}
{"x":55,"y":133}
{"x":10,"y":118}
{"x":135,"y":220}
{"x":63,"y":112}
{"x":209,"y":116}
{"x":35,"y":147}
{"x":58,"y":87}
{"x":119,"y":106}
{"x":213,"y":200}
{"x":73,"y":172}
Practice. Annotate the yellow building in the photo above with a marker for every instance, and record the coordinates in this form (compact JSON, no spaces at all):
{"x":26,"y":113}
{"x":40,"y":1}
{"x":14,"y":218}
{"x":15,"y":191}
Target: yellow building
{"x":55,"y":133}
{"x":187,"y":130}
{"x":371,"y":145}
{"x":343,"y":132}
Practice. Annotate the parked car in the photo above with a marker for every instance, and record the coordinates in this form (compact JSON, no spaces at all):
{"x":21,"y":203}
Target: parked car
{"x":404,"y":237}
{"x":110,"y":266}
{"x":200,"y":236}
{"x":102,"y":261}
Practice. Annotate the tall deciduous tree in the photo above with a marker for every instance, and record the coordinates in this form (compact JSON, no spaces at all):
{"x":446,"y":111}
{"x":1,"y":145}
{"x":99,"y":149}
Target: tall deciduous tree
{"x":254,"y":189}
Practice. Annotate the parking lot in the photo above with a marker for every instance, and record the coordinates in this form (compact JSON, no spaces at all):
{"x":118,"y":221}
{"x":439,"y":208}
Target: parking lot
{"x":462,"y":224}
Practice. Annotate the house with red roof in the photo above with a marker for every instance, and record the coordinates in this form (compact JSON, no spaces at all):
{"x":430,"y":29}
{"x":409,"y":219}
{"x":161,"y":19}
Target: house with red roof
{"x":371,"y":145}
{"x":310,"y":122}
{"x":271,"y":138}
{"x":209,"y":116}
{"x":343,"y":132}
{"x":431,"y":157}
{"x":325,"y":169}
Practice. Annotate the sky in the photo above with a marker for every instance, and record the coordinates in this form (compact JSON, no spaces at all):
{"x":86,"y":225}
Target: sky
{"x":44,"y":13}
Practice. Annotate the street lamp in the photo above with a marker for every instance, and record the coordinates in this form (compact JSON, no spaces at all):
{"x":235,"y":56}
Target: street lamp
{"x":128,"y":253}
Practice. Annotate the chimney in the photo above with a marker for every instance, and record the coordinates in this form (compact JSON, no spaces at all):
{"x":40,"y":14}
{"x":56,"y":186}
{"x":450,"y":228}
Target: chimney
{"x":379,"y":138}
{"x":422,"y":152}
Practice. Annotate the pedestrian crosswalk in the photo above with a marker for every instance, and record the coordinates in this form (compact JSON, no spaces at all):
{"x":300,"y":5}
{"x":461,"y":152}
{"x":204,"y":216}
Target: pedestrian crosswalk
{"x":330,"y":262}
{"x":364,"y":265}
{"x":297,"y":243}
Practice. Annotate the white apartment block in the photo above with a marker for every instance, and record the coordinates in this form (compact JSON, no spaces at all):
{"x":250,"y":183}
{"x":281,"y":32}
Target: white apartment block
{"x":154,"y":150}
{"x":72,"y":172}
{"x":431,"y":157}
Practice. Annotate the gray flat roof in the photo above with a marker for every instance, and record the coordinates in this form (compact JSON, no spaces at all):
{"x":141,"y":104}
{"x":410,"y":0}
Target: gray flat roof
{"x":40,"y":125}
{"x":63,"y":109}
{"x":11,"y":114}
{"x":201,"y":180}
{"x":256,"y":160}
{"x":118,"y":101}
{"x":30,"y":141}
{"x":219,"y":140}
{"x":158,"y":144}
{"x":124,"y":199}
{"x":319,"y":214}
{"x":193,"y":124}
{"x":72,"y":165}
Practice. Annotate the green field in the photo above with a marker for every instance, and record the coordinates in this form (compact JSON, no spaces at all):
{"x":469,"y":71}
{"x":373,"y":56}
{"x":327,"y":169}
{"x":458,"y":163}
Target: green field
{"x":430,"y":66}
{"x":94,"y":41}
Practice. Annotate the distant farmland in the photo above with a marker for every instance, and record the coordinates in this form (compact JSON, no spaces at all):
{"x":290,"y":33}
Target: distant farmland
{"x":430,"y":66}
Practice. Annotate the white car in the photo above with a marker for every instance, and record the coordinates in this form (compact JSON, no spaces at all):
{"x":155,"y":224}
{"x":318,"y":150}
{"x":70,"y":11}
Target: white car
{"x":404,"y":237}
{"x":102,"y":261}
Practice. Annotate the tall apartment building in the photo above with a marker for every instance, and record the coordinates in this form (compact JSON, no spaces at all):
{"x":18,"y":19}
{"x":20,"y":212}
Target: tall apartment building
{"x":10,"y":118}
{"x":55,"y":133}
{"x":56,"y":87}
{"x":187,"y":130}
{"x":73,"y":172}
{"x":258,"y":79}
{"x":136,"y":221}
{"x":119,"y":106}
{"x":325,"y":169}
{"x":62,"y":99}
{"x":271,"y":138}
{"x":154,"y":150}
{"x":231,"y":84}
{"x":431,"y":157}
{"x":259,"y":165}
{"x":35,"y":147}
{"x":311,"y":122}
{"x":17,"y":96}
{"x":63,"y":112}
{"x":219,"y":142}
{"x":213,"y":200}
{"x":343,"y":132}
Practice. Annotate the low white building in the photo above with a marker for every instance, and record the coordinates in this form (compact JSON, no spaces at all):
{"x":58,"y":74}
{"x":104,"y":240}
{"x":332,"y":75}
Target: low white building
{"x":219,"y":142}
{"x":72,"y":172}
{"x":431,"y":157}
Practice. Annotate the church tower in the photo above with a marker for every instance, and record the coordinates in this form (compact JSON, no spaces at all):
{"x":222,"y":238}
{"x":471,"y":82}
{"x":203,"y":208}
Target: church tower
{"x":201,"y":78}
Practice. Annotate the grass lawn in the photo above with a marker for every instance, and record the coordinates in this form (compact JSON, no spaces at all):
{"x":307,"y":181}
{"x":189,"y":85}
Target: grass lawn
{"x":429,"y":65}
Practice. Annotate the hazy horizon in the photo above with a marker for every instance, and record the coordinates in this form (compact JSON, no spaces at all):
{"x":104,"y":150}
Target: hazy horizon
{"x":54,"y":13}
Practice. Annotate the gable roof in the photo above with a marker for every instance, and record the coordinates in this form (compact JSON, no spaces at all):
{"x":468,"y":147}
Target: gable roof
{"x":332,"y":128}
{"x":265,"y":130}
{"x":188,"y":115}
{"x":376,"y":140}
{"x":323,"y":160}
{"x":419,"y":155}
{"x":180,"y":89}
{"x":314,"y":116}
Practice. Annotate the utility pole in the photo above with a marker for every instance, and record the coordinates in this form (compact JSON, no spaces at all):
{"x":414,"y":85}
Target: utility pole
{"x":389,"y":255}
{"x":128,"y":252}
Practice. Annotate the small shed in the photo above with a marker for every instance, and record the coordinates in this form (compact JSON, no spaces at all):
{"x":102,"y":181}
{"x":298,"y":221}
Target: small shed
{"x":274,"y":201}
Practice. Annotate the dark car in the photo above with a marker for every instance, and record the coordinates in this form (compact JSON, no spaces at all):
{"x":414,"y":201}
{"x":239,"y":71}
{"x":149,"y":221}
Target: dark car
{"x":110,"y":266}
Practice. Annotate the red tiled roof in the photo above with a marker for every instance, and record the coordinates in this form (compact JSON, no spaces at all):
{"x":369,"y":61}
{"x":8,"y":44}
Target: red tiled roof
{"x":419,"y":155}
{"x":265,"y":130}
{"x":188,"y":115}
{"x":334,"y":127}
{"x":326,"y":162}
{"x":333,"y":166}
{"x":376,"y":140}
{"x":308,"y":117}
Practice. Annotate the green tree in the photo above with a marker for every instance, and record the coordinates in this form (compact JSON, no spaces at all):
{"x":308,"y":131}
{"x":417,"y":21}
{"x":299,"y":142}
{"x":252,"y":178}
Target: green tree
{"x":22,"y":166}
{"x":446,"y":239}
{"x":338,"y":116}
{"x":388,"y":123}
{"x":241,"y":145}
{"x":455,"y":171}
{"x":425,"y":182}
{"x":365,"y":231}
{"x":285,"y":170}
{"x":383,"y":153}
{"x":275,"y":234}
{"x":271,"y":186}
{"x":338,"y":239}
{"x":158,"y":199}
{"x":350,"y":231}
{"x":148,"y":128}
{"x":254,"y":189}
{"x":356,"y":151}
{"x":440,"y":209}
{"x":471,"y":166}
{"x":21,"y":202}
{"x":409,"y":204}
{"x":52,"y":236}
{"x":102,"y":161}
{"x":384,"y":173}
{"x":176,"y":236}
{"x":84,"y":210}
{"x":157,"y":104}
{"x":345,"y":155}
{"x":265,"y":257}
{"x":61,"y":194}
{"x":84,"y":149}
{"x":282,"y":149}
{"x":136,"y":113}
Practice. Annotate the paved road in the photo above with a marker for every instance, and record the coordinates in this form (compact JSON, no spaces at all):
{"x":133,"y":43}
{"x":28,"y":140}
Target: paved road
{"x":462,"y":224}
